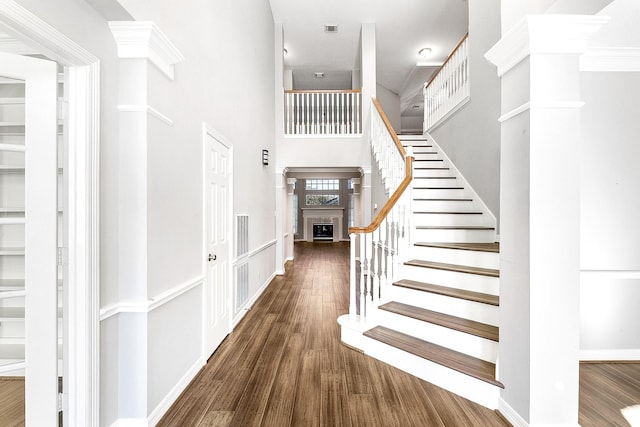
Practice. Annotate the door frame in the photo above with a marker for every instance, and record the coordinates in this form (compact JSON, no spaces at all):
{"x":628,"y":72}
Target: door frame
{"x":81,"y":397}
{"x":206,"y":132}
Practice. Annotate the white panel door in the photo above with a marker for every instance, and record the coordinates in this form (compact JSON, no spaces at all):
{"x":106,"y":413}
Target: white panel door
{"x":34,"y":135}
{"x":217,"y":301}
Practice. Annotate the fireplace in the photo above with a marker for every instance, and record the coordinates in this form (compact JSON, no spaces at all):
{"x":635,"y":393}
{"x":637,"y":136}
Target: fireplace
{"x":323,"y":232}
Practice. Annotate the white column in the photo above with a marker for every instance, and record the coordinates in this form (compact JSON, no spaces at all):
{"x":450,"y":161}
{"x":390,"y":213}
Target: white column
{"x":141,"y":45}
{"x":368,"y":68}
{"x":537,"y":60}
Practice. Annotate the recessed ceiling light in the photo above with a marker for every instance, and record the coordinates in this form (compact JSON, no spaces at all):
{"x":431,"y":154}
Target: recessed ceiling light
{"x":424,"y":52}
{"x":319,"y":74}
{"x":330,"y":28}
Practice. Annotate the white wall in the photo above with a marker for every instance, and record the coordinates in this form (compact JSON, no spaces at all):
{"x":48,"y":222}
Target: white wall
{"x":390,"y":102}
{"x":471,"y":137}
{"x":610,"y":233}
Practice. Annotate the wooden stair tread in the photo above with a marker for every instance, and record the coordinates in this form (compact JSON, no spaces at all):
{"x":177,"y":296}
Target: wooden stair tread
{"x":436,"y":188}
{"x":454,"y":267}
{"x":460,"y":324}
{"x":450,"y":292}
{"x":430,"y":168}
{"x":478,"y":247}
{"x":449,"y":212}
{"x":476,"y":368}
{"x":441,"y":200}
{"x":453,"y":227}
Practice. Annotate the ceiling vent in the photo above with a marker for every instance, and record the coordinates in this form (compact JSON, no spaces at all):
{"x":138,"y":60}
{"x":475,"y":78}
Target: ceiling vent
{"x":330,"y":28}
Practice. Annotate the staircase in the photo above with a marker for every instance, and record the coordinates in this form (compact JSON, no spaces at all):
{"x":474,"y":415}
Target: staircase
{"x":439,"y":319}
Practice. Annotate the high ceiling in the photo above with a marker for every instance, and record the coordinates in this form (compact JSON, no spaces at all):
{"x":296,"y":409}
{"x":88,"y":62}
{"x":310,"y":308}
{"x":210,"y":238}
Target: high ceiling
{"x":403,"y":27}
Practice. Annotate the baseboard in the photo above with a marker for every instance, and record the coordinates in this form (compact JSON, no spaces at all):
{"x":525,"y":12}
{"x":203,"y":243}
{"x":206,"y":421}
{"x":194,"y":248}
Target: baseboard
{"x":247,"y":306}
{"x":162,"y":408}
{"x":609,"y":355}
{"x":510,"y":414}
{"x":130,"y":422}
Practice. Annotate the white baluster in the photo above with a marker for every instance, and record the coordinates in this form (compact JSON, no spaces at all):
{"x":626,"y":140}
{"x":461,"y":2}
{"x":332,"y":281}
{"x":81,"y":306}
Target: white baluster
{"x":363,"y":277}
{"x":353,"y":295}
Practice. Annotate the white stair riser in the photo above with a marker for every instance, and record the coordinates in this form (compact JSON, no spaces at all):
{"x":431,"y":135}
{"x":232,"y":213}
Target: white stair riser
{"x":442,"y":205}
{"x":459,"y":341}
{"x":426,"y":155}
{"x":455,"y":236}
{"x":453,"y":279}
{"x":441,"y":182}
{"x":12,"y":302}
{"x":457,"y":219}
{"x":456,"y":256}
{"x":479,"y":312}
{"x":437,"y":193}
{"x":478,"y":391}
{"x":418,"y":173}
{"x":12,"y":329}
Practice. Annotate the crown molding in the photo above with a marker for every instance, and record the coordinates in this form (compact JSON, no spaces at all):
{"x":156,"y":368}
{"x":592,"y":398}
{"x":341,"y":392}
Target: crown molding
{"x":144,"y":40}
{"x":543,"y":34}
{"x":35,"y":33}
{"x":610,"y":59}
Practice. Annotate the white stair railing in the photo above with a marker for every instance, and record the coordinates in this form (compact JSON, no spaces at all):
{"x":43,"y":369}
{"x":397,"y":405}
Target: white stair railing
{"x":376,"y":250}
{"x":319,"y":112}
{"x":449,"y":88}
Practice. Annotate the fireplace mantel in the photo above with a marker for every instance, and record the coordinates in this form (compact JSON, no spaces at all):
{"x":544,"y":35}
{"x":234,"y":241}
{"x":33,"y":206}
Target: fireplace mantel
{"x":324,"y":215}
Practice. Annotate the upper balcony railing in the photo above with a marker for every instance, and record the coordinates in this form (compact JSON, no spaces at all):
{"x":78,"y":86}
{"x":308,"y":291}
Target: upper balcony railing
{"x":449,"y":88}
{"x":322,"y":112}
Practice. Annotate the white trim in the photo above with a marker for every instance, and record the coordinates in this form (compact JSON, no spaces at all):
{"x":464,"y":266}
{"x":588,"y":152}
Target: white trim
{"x":541,"y":34}
{"x":82,"y":377}
{"x":152,"y":303}
{"x":144,"y":40}
{"x":130,"y":422}
{"x":162,"y":408}
{"x":610,"y":59}
{"x":515,"y":112}
{"x":611,"y":274}
{"x":141,"y":108}
{"x":262,"y":248}
{"x":174,"y":293}
{"x":27,"y":27}
{"x":510,"y":414}
{"x":610,"y":355}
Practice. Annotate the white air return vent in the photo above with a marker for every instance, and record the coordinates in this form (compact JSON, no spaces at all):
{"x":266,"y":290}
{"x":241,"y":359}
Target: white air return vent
{"x":330,"y":28}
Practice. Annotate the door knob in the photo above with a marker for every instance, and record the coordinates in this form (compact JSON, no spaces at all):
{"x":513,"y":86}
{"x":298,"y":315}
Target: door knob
{"x":212,"y":257}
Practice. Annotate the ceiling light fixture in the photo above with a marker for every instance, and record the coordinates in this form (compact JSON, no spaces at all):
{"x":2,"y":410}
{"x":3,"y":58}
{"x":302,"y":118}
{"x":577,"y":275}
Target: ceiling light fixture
{"x":319,"y":74}
{"x":330,"y":28}
{"x":425,"y":52}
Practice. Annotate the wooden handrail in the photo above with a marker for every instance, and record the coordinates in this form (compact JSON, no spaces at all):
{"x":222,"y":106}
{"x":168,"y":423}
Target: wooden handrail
{"x":408,"y":177}
{"x":387,"y":123}
{"x":408,"y":167}
{"x":447,"y":60}
{"x":323,"y":91}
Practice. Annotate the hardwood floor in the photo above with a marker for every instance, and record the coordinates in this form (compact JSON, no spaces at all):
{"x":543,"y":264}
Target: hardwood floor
{"x":284,"y":365}
{"x":605,"y":389}
{"x":11,"y":401}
